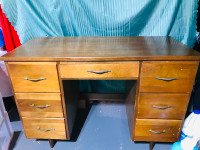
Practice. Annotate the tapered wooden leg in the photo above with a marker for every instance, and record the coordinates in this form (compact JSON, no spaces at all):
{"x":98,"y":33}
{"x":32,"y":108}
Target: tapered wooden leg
{"x":151,"y":145}
{"x":52,"y":143}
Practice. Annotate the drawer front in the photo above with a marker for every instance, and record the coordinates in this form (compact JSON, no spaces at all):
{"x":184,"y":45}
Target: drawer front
{"x":43,"y":128}
{"x":159,"y":130}
{"x":39,"y":104}
{"x":163,"y":106}
{"x":33,"y":77}
{"x":155,"y":73}
{"x":100,"y":70}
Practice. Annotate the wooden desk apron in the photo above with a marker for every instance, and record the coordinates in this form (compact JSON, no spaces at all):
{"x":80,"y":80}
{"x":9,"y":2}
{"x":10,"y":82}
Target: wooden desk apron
{"x":164,"y":69}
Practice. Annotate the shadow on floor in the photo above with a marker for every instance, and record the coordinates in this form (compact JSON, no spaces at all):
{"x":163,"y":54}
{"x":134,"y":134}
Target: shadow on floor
{"x":14,"y":140}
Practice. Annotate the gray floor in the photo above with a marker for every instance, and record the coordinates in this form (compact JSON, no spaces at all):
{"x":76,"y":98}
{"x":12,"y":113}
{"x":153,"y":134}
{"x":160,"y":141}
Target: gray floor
{"x":106,"y":128}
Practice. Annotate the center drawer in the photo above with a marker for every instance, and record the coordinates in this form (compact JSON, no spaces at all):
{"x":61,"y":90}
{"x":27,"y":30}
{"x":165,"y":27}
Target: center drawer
{"x":39,"y":104}
{"x":44,"y":128}
{"x":99,"y":70}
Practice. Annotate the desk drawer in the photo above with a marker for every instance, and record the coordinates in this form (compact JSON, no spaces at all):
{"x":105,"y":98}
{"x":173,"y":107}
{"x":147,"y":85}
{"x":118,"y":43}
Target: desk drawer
{"x":33,"y":76}
{"x":43,"y":128}
{"x":157,"y":130}
{"x":99,"y":70}
{"x":181,"y":74}
{"x":163,"y":106}
{"x":39,"y":104}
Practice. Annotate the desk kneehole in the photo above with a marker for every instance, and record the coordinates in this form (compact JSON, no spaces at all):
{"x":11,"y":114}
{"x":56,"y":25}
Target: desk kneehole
{"x":100,"y":70}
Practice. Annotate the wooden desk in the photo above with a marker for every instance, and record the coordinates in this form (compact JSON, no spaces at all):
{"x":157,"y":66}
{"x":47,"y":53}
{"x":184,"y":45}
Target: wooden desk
{"x":163,"y":68}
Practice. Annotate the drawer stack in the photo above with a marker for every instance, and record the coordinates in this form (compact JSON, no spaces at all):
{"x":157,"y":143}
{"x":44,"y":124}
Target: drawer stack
{"x":164,"y":93}
{"x":38,"y":98}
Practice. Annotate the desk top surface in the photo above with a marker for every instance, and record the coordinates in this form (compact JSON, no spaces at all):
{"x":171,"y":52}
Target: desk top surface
{"x":101,"y":49}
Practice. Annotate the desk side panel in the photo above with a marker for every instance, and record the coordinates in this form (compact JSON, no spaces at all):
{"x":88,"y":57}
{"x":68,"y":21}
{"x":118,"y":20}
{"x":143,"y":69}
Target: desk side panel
{"x":70,"y":97}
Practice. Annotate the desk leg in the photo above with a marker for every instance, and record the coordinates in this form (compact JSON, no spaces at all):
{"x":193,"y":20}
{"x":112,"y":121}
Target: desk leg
{"x":151,"y":145}
{"x":52,"y":143}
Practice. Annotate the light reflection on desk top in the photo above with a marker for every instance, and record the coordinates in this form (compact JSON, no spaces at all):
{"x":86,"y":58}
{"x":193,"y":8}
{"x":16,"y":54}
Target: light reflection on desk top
{"x":101,"y":49}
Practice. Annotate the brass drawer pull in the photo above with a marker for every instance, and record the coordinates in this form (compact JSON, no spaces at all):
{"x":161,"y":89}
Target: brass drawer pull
{"x":34,"y":80}
{"x":99,"y":72}
{"x":38,"y":128}
{"x":40,"y":107}
{"x":157,"y":132}
{"x":165,"y":79}
{"x":154,"y":106}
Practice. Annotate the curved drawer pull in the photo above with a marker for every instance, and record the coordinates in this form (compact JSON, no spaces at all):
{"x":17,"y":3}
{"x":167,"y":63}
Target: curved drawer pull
{"x":40,"y":107}
{"x":154,"y":106}
{"x":99,"y":72}
{"x":34,"y":80}
{"x":157,"y":132}
{"x":38,"y":128}
{"x":165,"y":79}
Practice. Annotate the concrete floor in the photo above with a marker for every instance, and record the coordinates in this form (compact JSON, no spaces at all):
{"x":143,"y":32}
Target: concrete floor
{"x":105,"y":128}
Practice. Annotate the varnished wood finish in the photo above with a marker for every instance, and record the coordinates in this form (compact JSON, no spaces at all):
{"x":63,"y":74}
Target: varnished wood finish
{"x":178,"y":103}
{"x":138,"y":58}
{"x":135,"y":111}
{"x":116,"y":70}
{"x":185,"y":71}
{"x":34,"y":70}
{"x":25,"y":100}
{"x":63,"y":103}
{"x":31,"y":126}
{"x":130,"y":104}
{"x":171,"y":128}
{"x":101,"y":49}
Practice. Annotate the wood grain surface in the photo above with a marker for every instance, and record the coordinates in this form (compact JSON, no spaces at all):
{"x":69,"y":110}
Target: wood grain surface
{"x":130,"y":105}
{"x":184,"y":71}
{"x":140,"y":58}
{"x":31,"y":126}
{"x":34,"y":70}
{"x":121,"y":70}
{"x":101,"y":49}
{"x":26,"y":100}
{"x":149,"y":105}
{"x":145,"y":130}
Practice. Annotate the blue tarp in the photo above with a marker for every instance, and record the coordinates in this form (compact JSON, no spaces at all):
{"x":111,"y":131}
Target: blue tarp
{"x":37,"y":18}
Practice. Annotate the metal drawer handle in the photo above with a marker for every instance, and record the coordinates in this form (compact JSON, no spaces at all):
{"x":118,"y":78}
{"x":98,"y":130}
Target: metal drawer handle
{"x":154,"y":106}
{"x":40,"y":107}
{"x":157,"y":132}
{"x":38,"y":128}
{"x":165,"y":79}
{"x":99,"y":72}
{"x":34,"y":80}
